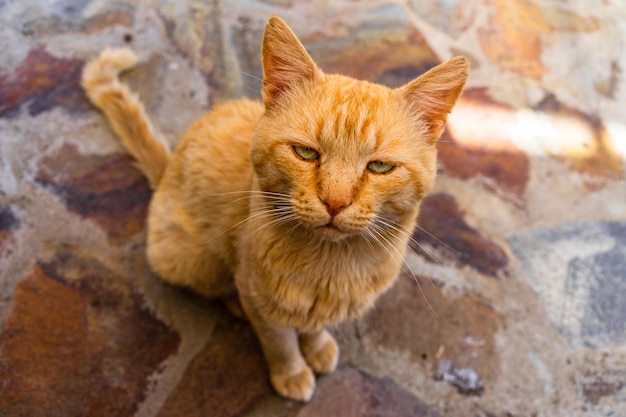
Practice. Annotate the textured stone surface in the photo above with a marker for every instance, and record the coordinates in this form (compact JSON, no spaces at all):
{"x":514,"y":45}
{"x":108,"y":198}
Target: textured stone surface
{"x":213,"y":385}
{"x":8,"y":224}
{"x":442,"y":227}
{"x":68,"y":17}
{"x":586,"y":263}
{"x":228,"y":377}
{"x":452,"y":17}
{"x":604,"y":391}
{"x":512,"y":39}
{"x":106,"y":189}
{"x":516,"y":276}
{"x":486,"y":156}
{"x":78,"y":342}
{"x":352,"y":393}
{"x":416,"y":316}
{"x":598,"y":385}
{"x":595,"y":156}
{"x":41,"y":83}
{"x":387,"y":49}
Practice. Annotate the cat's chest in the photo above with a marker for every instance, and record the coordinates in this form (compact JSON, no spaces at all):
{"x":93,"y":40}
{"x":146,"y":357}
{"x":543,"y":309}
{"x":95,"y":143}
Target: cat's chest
{"x":310,"y":286}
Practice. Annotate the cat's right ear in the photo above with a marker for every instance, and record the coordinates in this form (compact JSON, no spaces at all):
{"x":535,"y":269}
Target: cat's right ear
{"x":286,"y":64}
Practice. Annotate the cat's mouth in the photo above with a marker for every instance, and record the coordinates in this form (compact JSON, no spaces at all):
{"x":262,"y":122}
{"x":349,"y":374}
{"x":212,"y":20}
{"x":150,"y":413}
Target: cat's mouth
{"x":333,"y":232}
{"x":331,"y":226}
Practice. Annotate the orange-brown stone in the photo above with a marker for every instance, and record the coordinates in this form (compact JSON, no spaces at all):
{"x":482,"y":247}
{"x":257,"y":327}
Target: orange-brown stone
{"x":74,"y":23}
{"x":106,"y":189}
{"x":393,"y":54}
{"x":392,"y":60}
{"x":441,"y":226}
{"x":78,"y":342}
{"x":418,"y":317}
{"x":512,"y":39}
{"x":350,"y":392}
{"x":227,"y":378}
{"x":42,"y":82}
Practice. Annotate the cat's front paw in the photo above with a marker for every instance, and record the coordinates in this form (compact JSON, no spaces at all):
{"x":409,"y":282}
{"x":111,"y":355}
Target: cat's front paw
{"x":297,"y":387}
{"x":324,"y":355}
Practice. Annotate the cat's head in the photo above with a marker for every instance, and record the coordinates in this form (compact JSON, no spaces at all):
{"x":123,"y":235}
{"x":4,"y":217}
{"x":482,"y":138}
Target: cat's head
{"x":352,"y":156}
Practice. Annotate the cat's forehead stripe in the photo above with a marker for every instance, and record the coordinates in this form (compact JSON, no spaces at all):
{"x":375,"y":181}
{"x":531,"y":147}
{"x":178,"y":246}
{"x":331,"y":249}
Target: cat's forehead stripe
{"x":349,"y":123}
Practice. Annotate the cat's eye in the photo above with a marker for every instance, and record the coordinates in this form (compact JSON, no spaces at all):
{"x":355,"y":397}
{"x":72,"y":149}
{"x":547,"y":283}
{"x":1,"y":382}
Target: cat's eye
{"x":378,"y":167}
{"x":306,"y":153}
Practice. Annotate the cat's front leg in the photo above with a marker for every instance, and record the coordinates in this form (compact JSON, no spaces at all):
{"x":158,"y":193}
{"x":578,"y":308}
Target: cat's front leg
{"x":320,"y":350}
{"x":290,"y":375}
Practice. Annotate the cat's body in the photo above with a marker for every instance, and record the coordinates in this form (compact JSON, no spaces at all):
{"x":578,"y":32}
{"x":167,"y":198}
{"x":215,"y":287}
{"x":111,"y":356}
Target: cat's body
{"x":302,"y":207}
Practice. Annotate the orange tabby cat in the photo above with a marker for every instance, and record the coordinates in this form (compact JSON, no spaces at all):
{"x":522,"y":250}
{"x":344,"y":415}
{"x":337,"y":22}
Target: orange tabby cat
{"x":302,"y":206}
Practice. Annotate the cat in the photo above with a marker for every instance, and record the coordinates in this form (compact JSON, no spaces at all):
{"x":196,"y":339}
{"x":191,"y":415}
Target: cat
{"x":298,"y":207}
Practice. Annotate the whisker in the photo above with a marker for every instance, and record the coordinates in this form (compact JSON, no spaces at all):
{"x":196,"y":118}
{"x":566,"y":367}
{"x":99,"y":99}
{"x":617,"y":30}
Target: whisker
{"x":270,"y":199}
{"x":249,"y":193}
{"x":365,"y":235}
{"x":276,"y":199}
{"x":433,"y":254}
{"x":378,"y":229}
{"x":436,"y":256}
{"x":255,"y":215}
{"x":377,"y":238}
{"x":276,"y":222}
{"x":441,"y":242}
{"x":428,"y":250}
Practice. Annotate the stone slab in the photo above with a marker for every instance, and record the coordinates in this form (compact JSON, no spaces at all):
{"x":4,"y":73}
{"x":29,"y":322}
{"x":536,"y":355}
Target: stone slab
{"x":578,"y":271}
{"x":79,"y":341}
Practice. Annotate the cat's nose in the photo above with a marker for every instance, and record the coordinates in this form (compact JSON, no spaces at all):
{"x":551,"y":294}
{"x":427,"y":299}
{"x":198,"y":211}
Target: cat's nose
{"x":334,"y":204}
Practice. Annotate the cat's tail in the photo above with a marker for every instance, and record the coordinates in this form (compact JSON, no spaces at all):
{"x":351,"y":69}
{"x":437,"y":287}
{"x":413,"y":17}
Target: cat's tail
{"x":125,"y":112}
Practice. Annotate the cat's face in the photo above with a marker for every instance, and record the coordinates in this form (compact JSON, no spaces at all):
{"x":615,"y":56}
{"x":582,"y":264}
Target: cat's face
{"x":351,"y":156}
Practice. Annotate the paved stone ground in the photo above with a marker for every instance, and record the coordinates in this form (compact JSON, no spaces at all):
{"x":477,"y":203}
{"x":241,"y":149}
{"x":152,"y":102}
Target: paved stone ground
{"x":512,"y":305}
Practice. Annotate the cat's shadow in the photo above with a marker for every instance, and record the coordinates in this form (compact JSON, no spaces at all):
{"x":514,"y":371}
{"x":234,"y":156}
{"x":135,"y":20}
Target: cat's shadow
{"x":225,"y":372}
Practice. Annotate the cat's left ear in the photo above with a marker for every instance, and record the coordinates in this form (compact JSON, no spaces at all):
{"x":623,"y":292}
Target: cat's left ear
{"x":432,"y":95}
{"x":286,"y":64}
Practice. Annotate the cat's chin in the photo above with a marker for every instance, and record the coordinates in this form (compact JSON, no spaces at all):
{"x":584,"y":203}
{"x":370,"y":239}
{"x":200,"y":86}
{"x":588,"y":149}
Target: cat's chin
{"x":332,"y":233}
